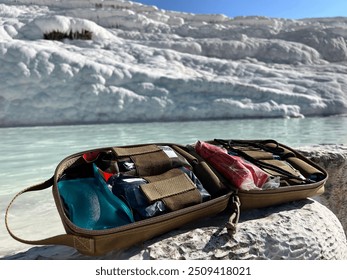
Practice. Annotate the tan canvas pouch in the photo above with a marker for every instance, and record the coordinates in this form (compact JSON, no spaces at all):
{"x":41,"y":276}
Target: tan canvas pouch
{"x":174,"y":188}
{"x":151,"y":163}
{"x":260,"y":155}
{"x":305,"y":168}
{"x":283,"y":165}
{"x":148,"y":159}
{"x":135,"y":150}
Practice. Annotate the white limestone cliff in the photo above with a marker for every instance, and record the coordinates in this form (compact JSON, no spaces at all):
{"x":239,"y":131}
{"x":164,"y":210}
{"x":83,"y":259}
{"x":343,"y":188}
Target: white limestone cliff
{"x":146,"y":64}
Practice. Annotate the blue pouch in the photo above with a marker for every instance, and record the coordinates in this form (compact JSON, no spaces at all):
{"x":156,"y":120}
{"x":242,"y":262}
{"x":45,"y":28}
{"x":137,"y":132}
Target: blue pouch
{"x":90,"y":204}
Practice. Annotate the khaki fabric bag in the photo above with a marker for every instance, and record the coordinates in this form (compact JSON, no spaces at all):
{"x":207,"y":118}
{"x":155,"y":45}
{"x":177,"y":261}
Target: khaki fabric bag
{"x":261,"y":153}
{"x":172,"y":187}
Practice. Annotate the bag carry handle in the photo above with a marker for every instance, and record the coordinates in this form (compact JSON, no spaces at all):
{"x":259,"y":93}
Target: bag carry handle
{"x":82,"y":244}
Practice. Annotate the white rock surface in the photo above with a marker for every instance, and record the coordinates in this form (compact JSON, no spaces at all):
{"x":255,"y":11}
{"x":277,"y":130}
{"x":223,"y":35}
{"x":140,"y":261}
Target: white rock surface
{"x":302,"y":230}
{"x":334,"y":159}
{"x":299,"y":230}
{"x":147,"y":64}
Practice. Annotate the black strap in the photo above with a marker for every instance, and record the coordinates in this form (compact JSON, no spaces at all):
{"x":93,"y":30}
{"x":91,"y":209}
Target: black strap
{"x":260,"y":144}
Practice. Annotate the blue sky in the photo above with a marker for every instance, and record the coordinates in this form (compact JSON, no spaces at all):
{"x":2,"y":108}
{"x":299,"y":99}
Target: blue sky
{"x":272,"y":8}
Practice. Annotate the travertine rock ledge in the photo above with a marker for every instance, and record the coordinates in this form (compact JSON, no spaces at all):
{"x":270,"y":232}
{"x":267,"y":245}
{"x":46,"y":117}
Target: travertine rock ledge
{"x":334,"y":159}
{"x":299,"y":230}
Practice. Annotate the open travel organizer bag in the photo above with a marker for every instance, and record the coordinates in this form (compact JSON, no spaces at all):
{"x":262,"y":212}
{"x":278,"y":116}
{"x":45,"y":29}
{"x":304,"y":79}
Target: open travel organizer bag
{"x":112,"y":198}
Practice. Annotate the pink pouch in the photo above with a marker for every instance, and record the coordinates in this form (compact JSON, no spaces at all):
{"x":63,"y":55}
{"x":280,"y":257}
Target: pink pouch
{"x":242,"y":174}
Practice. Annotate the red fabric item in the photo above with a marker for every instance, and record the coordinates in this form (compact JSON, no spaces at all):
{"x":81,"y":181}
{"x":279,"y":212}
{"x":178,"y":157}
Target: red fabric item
{"x":106,"y":175}
{"x":242,"y":174}
{"x":91,"y":156}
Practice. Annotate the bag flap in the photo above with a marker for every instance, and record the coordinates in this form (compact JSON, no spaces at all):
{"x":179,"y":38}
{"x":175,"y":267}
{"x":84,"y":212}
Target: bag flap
{"x":160,"y":189}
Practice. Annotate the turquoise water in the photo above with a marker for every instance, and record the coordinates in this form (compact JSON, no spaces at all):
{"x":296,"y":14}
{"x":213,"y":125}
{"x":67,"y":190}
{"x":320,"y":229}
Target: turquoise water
{"x":29,"y":155}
